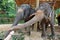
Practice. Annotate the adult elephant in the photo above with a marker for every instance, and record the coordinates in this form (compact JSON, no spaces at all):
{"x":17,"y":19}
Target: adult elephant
{"x":49,"y":17}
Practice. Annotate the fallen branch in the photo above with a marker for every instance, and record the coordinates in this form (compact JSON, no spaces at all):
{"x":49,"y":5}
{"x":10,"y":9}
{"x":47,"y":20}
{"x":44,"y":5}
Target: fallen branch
{"x":9,"y":36}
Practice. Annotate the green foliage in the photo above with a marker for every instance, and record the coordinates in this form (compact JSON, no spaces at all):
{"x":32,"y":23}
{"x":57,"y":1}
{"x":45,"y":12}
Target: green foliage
{"x":8,"y":6}
{"x":57,"y":12}
{"x":18,"y":37}
{"x":12,"y":7}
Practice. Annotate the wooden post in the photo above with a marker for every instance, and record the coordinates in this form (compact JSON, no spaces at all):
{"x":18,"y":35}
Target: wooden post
{"x":36,"y":24}
{"x":35,"y":27}
{"x":37,"y":4}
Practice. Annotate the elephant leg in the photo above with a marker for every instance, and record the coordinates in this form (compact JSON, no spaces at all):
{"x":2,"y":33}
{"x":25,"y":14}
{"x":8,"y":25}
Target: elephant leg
{"x":46,"y":26}
{"x":28,"y":31}
{"x":44,"y":36}
{"x":27,"y":28}
{"x":32,"y":26}
{"x":52,"y":29}
{"x":53,"y":32}
{"x":43,"y":30}
{"x":38,"y":28}
{"x":27,"y":19}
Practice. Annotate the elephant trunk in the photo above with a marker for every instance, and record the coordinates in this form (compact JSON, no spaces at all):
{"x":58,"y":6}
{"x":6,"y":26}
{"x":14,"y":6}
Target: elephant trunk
{"x":19,"y":16}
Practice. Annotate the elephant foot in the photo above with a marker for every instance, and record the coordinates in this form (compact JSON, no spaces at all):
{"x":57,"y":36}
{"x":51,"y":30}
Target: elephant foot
{"x":53,"y":37}
{"x":26,"y":29}
{"x":43,"y":35}
{"x":28,"y":33}
{"x":38,"y":30}
{"x":44,"y":38}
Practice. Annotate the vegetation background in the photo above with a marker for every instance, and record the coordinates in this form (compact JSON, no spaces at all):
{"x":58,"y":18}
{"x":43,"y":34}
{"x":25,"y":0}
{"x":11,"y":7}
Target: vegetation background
{"x":8,"y":11}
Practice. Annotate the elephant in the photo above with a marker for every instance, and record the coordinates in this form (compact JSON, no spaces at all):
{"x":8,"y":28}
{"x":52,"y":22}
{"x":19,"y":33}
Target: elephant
{"x":49,"y":15}
{"x":23,"y":12}
{"x":43,"y":12}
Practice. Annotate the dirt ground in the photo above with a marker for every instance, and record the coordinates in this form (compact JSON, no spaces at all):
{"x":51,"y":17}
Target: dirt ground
{"x":34,"y":34}
{"x":37,"y":35}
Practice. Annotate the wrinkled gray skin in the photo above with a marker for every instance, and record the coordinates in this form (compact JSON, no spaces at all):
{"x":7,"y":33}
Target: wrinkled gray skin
{"x":27,"y":11}
{"x":48,"y":13}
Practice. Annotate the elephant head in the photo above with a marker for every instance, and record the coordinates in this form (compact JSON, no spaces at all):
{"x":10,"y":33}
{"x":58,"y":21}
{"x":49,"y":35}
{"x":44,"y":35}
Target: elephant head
{"x":22,"y":12}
